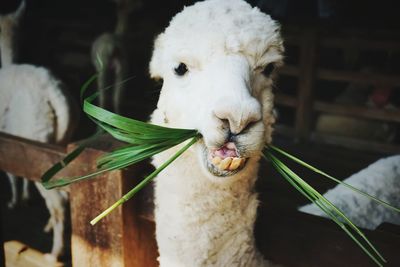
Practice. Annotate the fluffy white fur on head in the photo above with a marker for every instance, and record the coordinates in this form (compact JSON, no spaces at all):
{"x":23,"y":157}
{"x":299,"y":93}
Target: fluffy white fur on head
{"x":228,"y":50}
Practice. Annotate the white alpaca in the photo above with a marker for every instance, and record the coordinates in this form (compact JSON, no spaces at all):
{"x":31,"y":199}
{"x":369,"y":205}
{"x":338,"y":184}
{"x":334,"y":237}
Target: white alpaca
{"x":216,"y":59}
{"x":382,"y":180}
{"x":33,"y":106}
{"x":109,"y":60}
{"x":109,"y":57}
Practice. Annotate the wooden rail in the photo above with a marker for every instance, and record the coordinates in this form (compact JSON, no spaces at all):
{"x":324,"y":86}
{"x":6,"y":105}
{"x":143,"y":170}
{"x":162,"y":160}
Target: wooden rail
{"x":348,"y":110}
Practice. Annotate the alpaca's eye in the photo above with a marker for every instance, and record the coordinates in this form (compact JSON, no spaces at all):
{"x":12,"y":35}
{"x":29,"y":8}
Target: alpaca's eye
{"x":268,"y":70}
{"x":181,"y":69}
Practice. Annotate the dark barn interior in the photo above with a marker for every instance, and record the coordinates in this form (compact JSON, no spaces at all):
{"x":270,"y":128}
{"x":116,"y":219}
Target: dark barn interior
{"x":337,"y":101}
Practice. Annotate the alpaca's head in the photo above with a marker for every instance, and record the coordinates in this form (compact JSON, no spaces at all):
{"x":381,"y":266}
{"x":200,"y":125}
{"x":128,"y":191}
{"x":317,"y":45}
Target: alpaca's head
{"x":217,"y":61}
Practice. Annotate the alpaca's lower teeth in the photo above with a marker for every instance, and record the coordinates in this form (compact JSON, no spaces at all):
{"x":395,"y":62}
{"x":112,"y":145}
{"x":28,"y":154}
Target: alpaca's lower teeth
{"x":228,"y":163}
{"x":235,"y":164}
{"x":225,"y":163}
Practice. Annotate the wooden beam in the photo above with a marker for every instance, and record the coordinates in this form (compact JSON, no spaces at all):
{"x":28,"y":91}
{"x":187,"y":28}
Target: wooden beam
{"x":307,"y":67}
{"x":357,"y":144}
{"x":356,"y":111}
{"x":27,"y":158}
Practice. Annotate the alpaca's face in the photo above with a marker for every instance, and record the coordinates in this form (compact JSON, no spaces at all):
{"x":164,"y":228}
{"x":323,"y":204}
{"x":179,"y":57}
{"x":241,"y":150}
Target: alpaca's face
{"x":217,"y":77}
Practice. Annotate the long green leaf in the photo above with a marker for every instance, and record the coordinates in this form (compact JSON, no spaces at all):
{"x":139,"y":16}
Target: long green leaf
{"x":299,"y":161}
{"x":144,"y":182}
{"x":325,"y":205}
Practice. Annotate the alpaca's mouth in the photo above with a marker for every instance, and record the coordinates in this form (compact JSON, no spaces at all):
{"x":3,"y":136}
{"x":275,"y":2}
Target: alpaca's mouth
{"x":224,"y":161}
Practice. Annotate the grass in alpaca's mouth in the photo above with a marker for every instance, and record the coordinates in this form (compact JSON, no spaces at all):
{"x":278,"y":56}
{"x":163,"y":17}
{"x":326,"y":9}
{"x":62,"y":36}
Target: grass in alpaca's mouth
{"x":145,"y":140}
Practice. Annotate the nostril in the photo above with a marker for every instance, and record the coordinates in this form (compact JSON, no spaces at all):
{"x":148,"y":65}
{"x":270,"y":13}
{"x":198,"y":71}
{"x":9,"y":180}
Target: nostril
{"x":239,"y":119}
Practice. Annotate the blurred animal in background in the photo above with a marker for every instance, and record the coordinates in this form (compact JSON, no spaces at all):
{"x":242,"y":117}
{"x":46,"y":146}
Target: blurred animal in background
{"x":382,"y":180}
{"x":34,"y":106}
{"x":109,"y":58}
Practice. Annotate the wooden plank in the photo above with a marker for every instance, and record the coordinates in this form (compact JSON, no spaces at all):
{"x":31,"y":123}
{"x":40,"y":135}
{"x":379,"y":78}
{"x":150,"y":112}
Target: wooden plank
{"x":356,"y":111}
{"x":358,"y":144}
{"x":364,"y":78}
{"x":140,"y":246}
{"x":308,"y":56}
{"x":27,"y":158}
{"x":121,"y":238}
{"x":20,"y":255}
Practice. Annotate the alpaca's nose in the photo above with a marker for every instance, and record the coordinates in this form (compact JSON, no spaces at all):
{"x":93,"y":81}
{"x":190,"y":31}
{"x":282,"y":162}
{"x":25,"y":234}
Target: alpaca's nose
{"x":239,"y":116}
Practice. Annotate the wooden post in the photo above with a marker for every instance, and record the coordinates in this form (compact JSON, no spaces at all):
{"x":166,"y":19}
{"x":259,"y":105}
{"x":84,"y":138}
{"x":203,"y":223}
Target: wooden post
{"x":306,"y":83}
{"x":121,"y":239}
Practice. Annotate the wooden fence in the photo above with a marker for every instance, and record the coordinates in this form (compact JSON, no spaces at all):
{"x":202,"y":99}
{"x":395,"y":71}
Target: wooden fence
{"x":310,"y":42}
{"x":120,"y":239}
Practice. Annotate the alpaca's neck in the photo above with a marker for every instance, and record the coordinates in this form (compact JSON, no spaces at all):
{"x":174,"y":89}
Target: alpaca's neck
{"x":8,"y":30}
{"x":7,"y":27}
{"x":205,"y":223}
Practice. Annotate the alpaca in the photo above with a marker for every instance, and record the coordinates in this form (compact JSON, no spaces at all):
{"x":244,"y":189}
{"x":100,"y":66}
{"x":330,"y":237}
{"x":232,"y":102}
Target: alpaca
{"x":216,"y":59}
{"x":8,"y":23}
{"x":33,"y":106}
{"x":380,"y":179}
{"x":109,"y":57}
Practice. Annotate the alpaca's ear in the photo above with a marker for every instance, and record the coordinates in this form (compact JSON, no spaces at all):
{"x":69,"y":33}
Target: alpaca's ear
{"x":156,"y":63}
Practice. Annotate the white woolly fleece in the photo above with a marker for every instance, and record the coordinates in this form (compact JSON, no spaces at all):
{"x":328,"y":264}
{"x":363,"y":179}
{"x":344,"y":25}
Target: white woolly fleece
{"x":201,"y":219}
{"x":382,"y":180}
{"x":26,"y":89}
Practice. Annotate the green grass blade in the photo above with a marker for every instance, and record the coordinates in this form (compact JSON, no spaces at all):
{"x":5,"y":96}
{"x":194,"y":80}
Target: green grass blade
{"x":299,"y":161}
{"x":144,"y":182}
{"x":123,"y":123}
{"x":86,"y":85}
{"x":119,"y":163}
{"x":326,"y":206}
{"x":334,"y":208}
{"x":50,"y":173}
